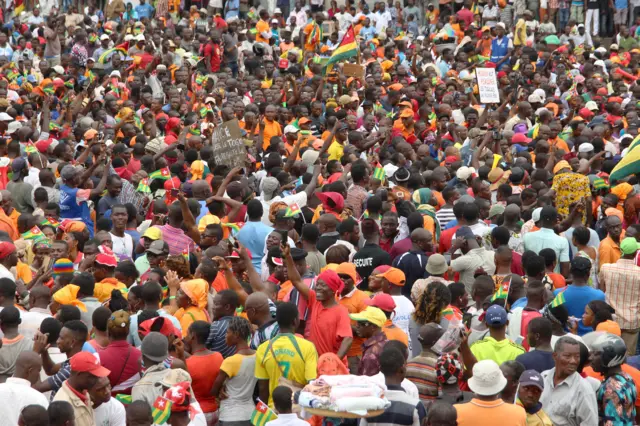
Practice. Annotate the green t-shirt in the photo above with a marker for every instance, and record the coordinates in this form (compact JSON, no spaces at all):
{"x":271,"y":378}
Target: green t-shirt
{"x":490,"y":348}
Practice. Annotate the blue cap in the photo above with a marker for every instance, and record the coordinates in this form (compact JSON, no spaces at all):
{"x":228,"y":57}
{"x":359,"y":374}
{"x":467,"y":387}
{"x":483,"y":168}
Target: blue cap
{"x":496,"y":315}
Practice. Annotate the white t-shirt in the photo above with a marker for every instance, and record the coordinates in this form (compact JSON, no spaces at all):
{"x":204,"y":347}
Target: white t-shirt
{"x":300,"y":199}
{"x":122,"y":246}
{"x":111,"y":413}
{"x":403,"y":311}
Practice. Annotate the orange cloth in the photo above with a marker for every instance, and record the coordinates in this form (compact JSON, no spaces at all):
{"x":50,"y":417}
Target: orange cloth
{"x":204,"y":371}
{"x":355,"y":303}
{"x":262,"y":27}
{"x":7,"y":225}
{"x":270,"y":129}
{"x":609,"y":251}
{"x":220,"y":283}
{"x":557,"y":279}
{"x":560,"y":144}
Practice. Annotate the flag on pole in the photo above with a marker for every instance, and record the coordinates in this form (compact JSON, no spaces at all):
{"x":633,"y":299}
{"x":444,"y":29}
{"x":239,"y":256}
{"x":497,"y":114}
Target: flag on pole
{"x":262,"y":414}
{"x":292,"y":210}
{"x":162,"y":174}
{"x":185,"y":254}
{"x":503,"y":290}
{"x":348,"y":48}
{"x":559,"y":300}
{"x":143,"y":186}
{"x":124,"y":399}
{"x":161,"y":410}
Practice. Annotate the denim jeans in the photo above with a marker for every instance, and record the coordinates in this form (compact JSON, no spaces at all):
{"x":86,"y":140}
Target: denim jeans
{"x":563,"y":18}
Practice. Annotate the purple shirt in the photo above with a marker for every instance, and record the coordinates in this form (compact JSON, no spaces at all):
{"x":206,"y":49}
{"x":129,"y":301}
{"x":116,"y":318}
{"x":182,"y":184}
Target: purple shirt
{"x":177,"y":240}
{"x":400,"y":247}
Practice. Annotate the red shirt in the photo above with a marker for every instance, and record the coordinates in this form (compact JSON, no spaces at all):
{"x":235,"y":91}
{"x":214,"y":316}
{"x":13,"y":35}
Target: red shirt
{"x":527,"y":316}
{"x":212,"y":53}
{"x":123,"y":360}
{"x":446,"y":237}
{"x":204,"y":371}
{"x":327,"y":326}
{"x":134,"y":165}
{"x":516,"y":263}
{"x":466,"y":15}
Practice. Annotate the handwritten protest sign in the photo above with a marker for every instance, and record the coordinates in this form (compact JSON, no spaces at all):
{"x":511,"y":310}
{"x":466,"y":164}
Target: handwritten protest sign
{"x":228,"y":146}
{"x":488,"y":85}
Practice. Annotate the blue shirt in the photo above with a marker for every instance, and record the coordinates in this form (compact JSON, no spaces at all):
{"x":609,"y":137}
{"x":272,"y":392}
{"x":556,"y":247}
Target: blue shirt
{"x":520,"y":303}
{"x":368,"y":33}
{"x":576,"y":299}
{"x":546,"y":238}
{"x":253,"y":236}
{"x":144,"y":10}
{"x":537,"y":360}
{"x":621,"y":4}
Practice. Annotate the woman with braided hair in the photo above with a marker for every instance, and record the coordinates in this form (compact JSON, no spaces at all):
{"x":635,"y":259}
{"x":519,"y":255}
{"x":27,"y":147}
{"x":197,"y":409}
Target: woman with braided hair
{"x":429,"y":306}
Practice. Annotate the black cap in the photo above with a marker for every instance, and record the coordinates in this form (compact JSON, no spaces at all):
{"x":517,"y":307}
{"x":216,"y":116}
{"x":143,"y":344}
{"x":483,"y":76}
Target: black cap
{"x":121,"y":148}
{"x":580,"y":263}
{"x":549,"y":213}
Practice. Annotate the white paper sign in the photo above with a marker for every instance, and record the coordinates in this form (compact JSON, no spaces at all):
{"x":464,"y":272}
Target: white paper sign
{"x":488,"y":85}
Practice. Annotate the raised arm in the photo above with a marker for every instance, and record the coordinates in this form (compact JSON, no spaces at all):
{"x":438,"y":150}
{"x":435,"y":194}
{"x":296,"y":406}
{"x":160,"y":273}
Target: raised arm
{"x":292,"y":272}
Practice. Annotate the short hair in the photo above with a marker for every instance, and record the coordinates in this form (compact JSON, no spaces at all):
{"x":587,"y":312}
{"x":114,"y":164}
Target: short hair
{"x":7,"y":288}
{"x":240,"y":327}
{"x":200,"y":329}
{"x":391,"y":361}
{"x":100,"y":317}
{"x":549,"y":256}
{"x":145,"y":315}
{"x":310,"y":233}
{"x":541,"y":326}
{"x":128,"y":269}
{"x":286,"y":314}
{"x":471,"y":212}
{"x":397,"y":344}
{"x":442,"y":414}
{"x":60,"y":413}
{"x":534,"y":265}
{"x":151,"y":292}
{"x":282,"y":400}
{"x":255,"y":209}
{"x":86,"y":282}
{"x":457,"y":290}
{"x":582,"y":235}
{"x":208,"y":269}
{"x":51,"y":327}
{"x":516,"y":367}
{"x":10,"y":316}
{"x":68,"y":313}
{"x":34,"y":415}
{"x":562,"y":342}
{"x":78,"y":328}
{"x":229,"y":297}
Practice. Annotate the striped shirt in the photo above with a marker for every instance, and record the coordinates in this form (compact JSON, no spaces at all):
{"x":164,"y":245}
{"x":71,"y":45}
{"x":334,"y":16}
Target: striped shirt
{"x":421,"y":370}
{"x":403,"y":411}
{"x":177,"y":240}
{"x":58,"y":379}
{"x":264,"y":333}
{"x":217,"y":337}
{"x":445,"y":216}
{"x":622,"y":283}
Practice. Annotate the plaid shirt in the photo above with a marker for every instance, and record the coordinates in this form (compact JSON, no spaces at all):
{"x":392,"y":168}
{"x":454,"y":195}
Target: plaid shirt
{"x":622,"y":283}
{"x":371,"y":350}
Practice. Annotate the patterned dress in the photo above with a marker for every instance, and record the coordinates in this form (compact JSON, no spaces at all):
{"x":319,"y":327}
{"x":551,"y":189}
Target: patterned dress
{"x":616,"y":397}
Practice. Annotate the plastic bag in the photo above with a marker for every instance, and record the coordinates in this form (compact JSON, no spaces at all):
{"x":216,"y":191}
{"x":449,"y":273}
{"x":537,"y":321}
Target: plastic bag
{"x":451,"y":339}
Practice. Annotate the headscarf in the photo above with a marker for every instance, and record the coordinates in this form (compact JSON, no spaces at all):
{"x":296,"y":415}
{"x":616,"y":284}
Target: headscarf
{"x":196,"y":290}
{"x":336,"y":199}
{"x":421,"y":196}
{"x":330,"y":365}
{"x":622,"y":191}
{"x":197,"y":170}
{"x":332,"y":280}
{"x":68,"y":295}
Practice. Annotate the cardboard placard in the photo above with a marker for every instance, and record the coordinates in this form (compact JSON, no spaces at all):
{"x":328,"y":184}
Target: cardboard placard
{"x":228,"y":146}
{"x":488,"y":85}
{"x":353,"y":70}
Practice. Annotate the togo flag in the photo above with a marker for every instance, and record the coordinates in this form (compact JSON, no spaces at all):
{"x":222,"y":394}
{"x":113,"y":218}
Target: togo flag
{"x":559,"y":300}
{"x":348,"y":48}
{"x":162,"y":174}
{"x":292,"y":210}
{"x":379,"y":173}
{"x":161,"y":410}
{"x":503,"y":290}
{"x":262,"y":414}
{"x":33,"y":234}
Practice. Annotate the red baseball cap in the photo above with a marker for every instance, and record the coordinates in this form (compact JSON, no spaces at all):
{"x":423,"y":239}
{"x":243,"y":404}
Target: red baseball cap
{"x":382,"y":301}
{"x":236,"y":254}
{"x":166,"y":329}
{"x":520,"y":138}
{"x":585,"y":113}
{"x":84,"y":362}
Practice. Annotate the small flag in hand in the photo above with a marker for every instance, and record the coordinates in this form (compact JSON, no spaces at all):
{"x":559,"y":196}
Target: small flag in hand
{"x":559,"y":300}
{"x":162,"y":174}
{"x":262,"y":414}
{"x":503,"y":290}
{"x":378,"y":173}
{"x":185,"y":254}
{"x":161,"y":410}
{"x":143,"y":186}
{"x":292,"y":210}
{"x":233,"y":226}
{"x":30,"y":148}
{"x":124,"y":399}
{"x":33,"y":234}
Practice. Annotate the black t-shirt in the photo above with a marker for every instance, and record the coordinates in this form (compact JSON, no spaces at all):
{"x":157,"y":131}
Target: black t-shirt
{"x":593,"y":4}
{"x":537,"y":360}
{"x":326,"y":241}
{"x":367,"y":259}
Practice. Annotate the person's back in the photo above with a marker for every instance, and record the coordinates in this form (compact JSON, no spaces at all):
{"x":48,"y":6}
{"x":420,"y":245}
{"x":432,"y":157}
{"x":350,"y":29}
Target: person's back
{"x":253,"y":236}
{"x":496,"y":346}
{"x":577,"y":297}
{"x":13,"y":343}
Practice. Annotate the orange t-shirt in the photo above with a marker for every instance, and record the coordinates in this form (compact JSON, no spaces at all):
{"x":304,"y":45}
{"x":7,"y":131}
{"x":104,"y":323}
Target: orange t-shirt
{"x":204,"y":371}
{"x":310,"y":47}
{"x":394,"y":333}
{"x":220,"y":283}
{"x":557,"y":279}
{"x":355,"y":303}
{"x":262,"y":27}
{"x":271,"y":129}
{"x":560,"y":144}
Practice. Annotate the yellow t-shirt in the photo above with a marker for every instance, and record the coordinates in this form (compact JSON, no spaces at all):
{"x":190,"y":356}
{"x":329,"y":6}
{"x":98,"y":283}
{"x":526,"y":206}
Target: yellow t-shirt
{"x":102,"y":290}
{"x":336,"y":150}
{"x":296,"y":368}
{"x":490,"y":348}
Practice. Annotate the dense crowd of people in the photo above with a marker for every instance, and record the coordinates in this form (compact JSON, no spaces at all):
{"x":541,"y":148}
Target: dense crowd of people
{"x":258,"y":194}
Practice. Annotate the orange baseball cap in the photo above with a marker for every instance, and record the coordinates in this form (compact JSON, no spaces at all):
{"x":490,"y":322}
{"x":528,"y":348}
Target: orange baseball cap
{"x":348,"y":269}
{"x":406,"y":113}
{"x":395,"y":276}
